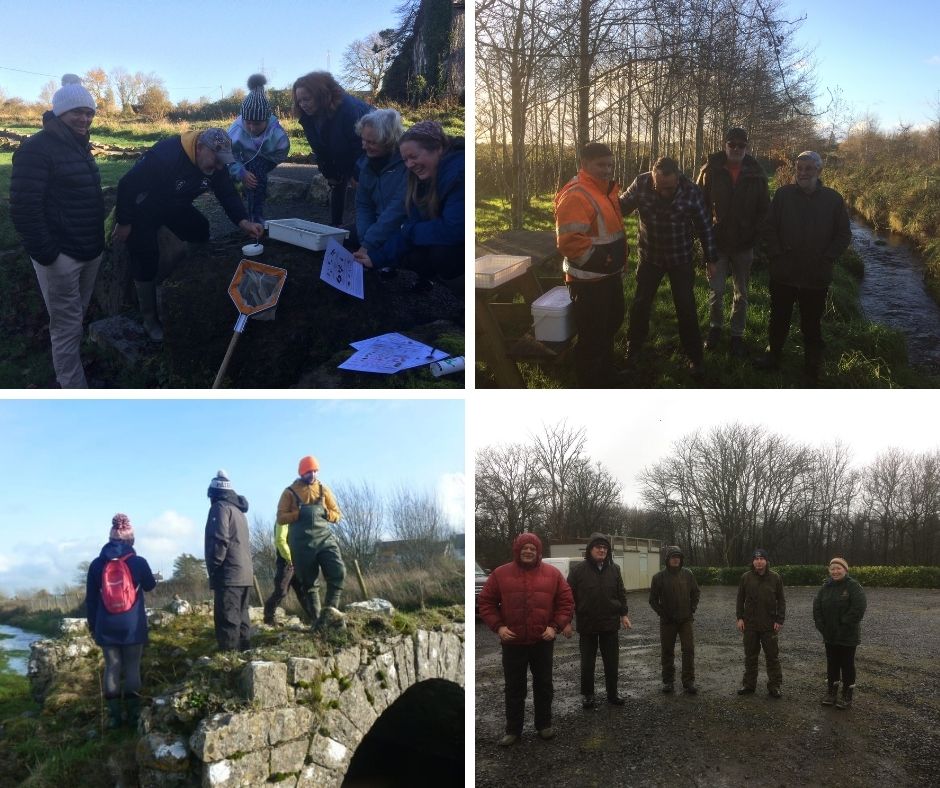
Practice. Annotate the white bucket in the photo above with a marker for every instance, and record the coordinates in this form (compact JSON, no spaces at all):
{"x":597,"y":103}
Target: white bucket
{"x":553,"y":316}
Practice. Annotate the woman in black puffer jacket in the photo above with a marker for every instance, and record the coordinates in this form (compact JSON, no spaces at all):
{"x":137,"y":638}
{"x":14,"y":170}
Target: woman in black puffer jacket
{"x":57,"y":208}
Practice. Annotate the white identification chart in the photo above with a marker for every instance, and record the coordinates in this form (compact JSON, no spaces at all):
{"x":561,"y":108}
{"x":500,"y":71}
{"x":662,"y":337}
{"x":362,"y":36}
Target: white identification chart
{"x":341,"y":270}
{"x":389,"y":353}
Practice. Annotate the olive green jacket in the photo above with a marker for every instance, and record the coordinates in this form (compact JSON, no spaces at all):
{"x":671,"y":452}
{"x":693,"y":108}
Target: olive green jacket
{"x":837,"y":611}
{"x":760,"y":600}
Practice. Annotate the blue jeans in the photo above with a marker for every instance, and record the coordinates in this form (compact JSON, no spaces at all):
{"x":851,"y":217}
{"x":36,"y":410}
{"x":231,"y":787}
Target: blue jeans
{"x":254,"y":198}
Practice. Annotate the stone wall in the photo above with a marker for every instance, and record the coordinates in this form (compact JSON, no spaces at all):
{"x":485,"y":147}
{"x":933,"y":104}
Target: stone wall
{"x":304,"y":717}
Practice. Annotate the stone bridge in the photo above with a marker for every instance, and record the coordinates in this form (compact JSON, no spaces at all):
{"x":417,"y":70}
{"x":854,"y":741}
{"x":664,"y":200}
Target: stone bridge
{"x":299,"y":721}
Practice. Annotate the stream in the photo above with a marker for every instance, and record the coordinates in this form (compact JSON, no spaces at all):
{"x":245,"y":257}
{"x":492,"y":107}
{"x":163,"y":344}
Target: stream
{"x":17,"y":642}
{"x":893,"y":294}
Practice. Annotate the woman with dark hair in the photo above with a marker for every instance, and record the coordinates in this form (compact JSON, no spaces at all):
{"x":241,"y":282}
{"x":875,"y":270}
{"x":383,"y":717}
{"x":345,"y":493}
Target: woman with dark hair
{"x":431,"y":241}
{"x":328,"y":115}
{"x":117,"y":618}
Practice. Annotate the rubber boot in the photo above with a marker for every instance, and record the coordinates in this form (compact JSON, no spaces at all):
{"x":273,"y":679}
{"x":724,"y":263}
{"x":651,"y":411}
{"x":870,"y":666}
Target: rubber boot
{"x":333,"y":594}
{"x":845,"y":702}
{"x":832,"y":690}
{"x":115,"y":713}
{"x":132,"y":704}
{"x":313,"y":608}
{"x":147,"y":301}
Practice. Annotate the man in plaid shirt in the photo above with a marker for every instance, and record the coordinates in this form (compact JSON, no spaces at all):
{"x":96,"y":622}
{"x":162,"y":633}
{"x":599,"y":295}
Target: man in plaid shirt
{"x":670,"y":207}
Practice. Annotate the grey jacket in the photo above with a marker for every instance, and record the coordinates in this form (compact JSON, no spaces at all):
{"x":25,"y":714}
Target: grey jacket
{"x":228,"y":551}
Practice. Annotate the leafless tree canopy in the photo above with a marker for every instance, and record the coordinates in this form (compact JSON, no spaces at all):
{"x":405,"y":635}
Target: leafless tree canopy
{"x":647,"y":77}
{"x":363,"y":521}
{"x":718,"y":494}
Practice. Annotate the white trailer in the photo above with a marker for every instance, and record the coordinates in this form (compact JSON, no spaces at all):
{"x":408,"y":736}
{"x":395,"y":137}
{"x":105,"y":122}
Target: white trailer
{"x":637,"y":558}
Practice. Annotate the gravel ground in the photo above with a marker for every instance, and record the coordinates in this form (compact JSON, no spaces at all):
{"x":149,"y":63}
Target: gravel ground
{"x":890,"y":738}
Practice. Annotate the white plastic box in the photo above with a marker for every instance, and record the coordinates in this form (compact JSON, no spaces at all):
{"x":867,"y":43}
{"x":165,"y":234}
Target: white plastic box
{"x":494,"y":269}
{"x":553,"y":316}
{"x":300,"y":232}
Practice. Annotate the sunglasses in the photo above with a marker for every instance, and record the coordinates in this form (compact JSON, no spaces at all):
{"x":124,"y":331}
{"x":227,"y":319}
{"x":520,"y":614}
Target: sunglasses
{"x":737,"y":145}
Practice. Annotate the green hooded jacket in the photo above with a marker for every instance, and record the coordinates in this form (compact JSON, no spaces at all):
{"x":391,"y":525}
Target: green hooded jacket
{"x":837,"y":611}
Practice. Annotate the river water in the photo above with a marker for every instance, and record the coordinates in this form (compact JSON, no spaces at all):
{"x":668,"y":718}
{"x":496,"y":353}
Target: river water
{"x":893,"y":293}
{"x":18,"y":641}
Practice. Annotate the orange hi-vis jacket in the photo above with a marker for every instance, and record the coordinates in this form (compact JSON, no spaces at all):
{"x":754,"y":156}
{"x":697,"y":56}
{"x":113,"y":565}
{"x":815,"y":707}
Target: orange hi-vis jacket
{"x":589,"y":228}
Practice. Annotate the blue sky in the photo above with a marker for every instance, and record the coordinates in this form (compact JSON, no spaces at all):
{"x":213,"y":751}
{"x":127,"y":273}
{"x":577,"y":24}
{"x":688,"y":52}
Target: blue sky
{"x":194,"y":46}
{"x":66,"y":466}
{"x":884,"y":56}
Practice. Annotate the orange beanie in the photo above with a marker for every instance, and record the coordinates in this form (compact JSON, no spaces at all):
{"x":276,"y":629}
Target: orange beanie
{"x":307,"y":464}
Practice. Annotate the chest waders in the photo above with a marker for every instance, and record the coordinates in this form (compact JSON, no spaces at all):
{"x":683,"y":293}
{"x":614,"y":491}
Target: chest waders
{"x":314,"y":547}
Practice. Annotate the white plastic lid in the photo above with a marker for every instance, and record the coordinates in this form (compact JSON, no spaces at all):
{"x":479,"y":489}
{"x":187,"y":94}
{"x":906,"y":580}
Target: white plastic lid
{"x":555,"y":300}
{"x":250,"y":250}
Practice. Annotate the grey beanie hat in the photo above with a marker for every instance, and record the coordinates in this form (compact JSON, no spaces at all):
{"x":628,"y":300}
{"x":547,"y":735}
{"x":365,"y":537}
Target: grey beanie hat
{"x":71,"y":95}
{"x":256,"y":106}
{"x":220,"y":481}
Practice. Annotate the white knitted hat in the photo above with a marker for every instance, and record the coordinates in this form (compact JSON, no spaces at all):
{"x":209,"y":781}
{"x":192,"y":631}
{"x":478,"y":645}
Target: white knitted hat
{"x":71,"y":95}
{"x":221,"y":481}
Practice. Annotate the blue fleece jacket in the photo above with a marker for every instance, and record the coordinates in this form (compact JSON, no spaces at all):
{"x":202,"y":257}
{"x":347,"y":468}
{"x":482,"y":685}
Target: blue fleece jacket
{"x":118,"y":629}
{"x":165,"y":178}
{"x":446,"y":229}
{"x":336,"y":146}
{"x":380,"y":200}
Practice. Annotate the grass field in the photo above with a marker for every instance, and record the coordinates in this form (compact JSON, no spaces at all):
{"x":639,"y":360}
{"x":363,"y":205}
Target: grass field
{"x":859,"y":354}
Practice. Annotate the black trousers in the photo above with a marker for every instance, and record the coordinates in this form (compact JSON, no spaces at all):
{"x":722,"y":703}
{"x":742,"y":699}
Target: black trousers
{"x":185,"y":222}
{"x":681,"y":281}
{"x":284,"y":579}
{"x":812,"y":303}
{"x":431,"y":261}
{"x":230,"y":614}
{"x":609,"y":644}
{"x":840,"y":662}
{"x":598,"y":313}
{"x":517,"y":661}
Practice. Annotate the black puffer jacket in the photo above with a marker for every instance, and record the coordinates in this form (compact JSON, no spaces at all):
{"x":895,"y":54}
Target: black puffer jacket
{"x":228,"y":547}
{"x":56,"y":203}
{"x":599,"y":596}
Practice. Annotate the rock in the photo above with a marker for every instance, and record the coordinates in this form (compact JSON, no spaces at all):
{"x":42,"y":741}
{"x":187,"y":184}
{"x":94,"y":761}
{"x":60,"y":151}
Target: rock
{"x":316,"y":776}
{"x":282,"y":189}
{"x":304,"y":670}
{"x":180,"y":606}
{"x":329,"y":752}
{"x":222,"y":735}
{"x":374,"y":605}
{"x":122,"y":335}
{"x":288,"y":723}
{"x":250,"y":769}
{"x":73,"y":626}
{"x":163,"y":753}
{"x":288,"y":757}
{"x":159,"y":618}
{"x":265,"y":683}
{"x":319,"y":190}
{"x":256,"y":615}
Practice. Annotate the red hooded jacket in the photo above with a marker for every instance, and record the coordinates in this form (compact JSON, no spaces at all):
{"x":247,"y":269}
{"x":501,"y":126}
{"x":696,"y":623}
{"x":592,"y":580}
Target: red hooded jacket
{"x":526,"y":598}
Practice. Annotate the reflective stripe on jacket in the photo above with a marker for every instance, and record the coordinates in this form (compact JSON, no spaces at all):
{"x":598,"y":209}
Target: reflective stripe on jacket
{"x":589,"y":228}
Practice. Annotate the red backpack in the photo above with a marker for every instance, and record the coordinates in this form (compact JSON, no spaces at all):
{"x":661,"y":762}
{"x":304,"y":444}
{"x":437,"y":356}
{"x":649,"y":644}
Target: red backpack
{"x":118,"y":593}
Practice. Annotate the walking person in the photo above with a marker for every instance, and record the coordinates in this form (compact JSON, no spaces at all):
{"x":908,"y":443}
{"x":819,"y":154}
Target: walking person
{"x":309,"y":510}
{"x":328,"y":116}
{"x":674,"y":595}
{"x":670,"y":208}
{"x":761,"y":610}
{"x":601,"y":609}
{"x":734,"y":188}
{"x":589,"y":234}
{"x":838,"y":610}
{"x":57,"y":208}
{"x":806,"y":232}
{"x":228,"y":562}
{"x":117,"y":618}
{"x":527,"y":603}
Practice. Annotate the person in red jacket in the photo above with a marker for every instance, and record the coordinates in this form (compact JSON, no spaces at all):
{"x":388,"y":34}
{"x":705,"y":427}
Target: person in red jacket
{"x":527,"y":603}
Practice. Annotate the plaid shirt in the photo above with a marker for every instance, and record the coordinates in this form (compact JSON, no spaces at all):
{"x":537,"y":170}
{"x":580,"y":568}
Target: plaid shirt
{"x":666,"y":227}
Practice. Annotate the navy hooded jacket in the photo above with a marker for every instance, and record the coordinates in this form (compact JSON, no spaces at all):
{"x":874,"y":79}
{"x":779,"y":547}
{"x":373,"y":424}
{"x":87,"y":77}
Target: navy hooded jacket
{"x":336,"y":146}
{"x":118,"y":629}
{"x":446,"y":229}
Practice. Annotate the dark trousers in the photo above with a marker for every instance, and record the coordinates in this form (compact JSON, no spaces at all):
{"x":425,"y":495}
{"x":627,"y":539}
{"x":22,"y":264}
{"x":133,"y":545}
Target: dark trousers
{"x":230,"y":614}
{"x":668,"y":631}
{"x":254,"y":198}
{"x":118,"y":660}
{"x":812,"y":303}
{"x":753,"y":643}
{"x":840,"y":660}
{"x":681,"y":281}
{"x":610,"y":655}
{"x":429,"y":262}
{"x":185,"y":222}
{"x":517,"y":661}
{"x":598,"y":313}
{"x":338,"y":193}
{"x":284,"y":579}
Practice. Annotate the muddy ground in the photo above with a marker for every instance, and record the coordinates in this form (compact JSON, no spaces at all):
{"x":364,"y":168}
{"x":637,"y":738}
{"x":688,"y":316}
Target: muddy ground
{"x":890,"y":738}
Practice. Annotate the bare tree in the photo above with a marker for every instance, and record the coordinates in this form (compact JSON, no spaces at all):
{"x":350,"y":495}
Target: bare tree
{"x":366,"y":61}
{"x":559,"y":450}
{"x":363,"y":521}
{"x":263,"y":552}
{"x":417,"y":519}
{"x":47,"y":91}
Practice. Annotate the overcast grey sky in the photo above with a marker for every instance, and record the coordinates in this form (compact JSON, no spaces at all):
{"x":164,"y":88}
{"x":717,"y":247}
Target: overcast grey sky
{"x":628,"y":430}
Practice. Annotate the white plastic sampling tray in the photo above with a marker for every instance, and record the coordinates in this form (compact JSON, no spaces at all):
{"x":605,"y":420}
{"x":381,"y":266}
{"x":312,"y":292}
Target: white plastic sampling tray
{"x":494,"y":269}
{"x":300,"y":232}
